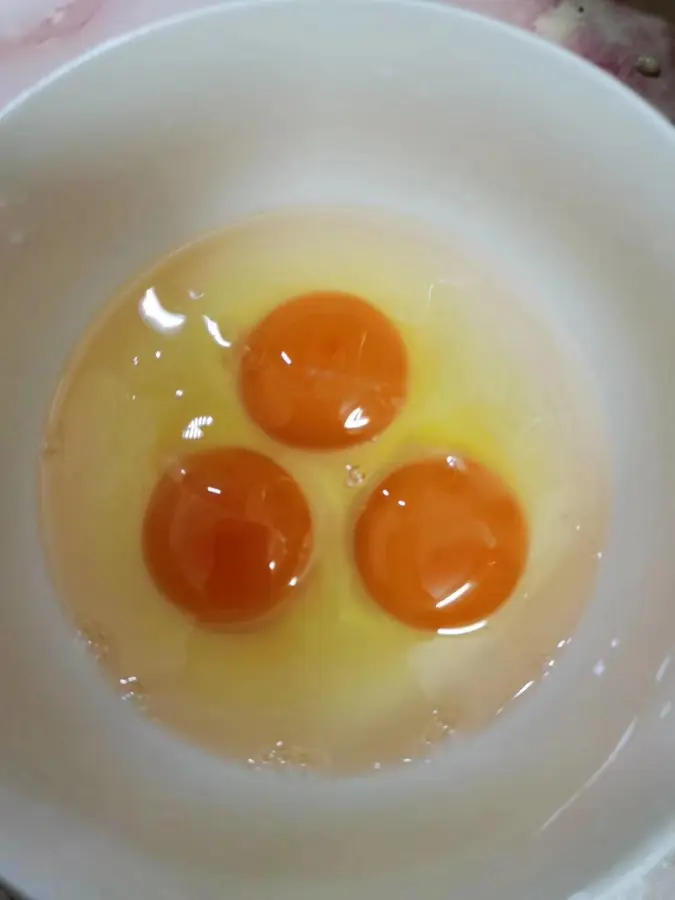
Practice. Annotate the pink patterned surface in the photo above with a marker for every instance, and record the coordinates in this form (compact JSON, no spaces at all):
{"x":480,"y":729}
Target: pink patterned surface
{"x":38,"y":35}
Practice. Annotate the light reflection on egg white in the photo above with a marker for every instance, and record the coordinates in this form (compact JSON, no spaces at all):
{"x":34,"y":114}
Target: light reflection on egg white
{"x":213,"y":329}
{"x":663,"y":668}
{"x":157,"y":317}
{"x":195,"y":429}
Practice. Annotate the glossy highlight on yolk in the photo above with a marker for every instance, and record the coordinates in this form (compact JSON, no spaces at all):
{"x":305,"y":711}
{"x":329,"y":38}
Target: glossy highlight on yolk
{"x":324,"y":371}
{"x":441,"y":543}
{"x":226,"y":534}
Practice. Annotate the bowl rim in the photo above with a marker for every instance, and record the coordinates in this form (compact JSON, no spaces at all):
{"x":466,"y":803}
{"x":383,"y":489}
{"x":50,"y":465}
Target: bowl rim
{"x":439,"y":7}
{"x":641,"y":859}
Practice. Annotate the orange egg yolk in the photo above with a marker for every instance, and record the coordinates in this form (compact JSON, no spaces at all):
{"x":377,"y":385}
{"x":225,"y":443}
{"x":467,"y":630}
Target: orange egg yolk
{"x":323,"y":371}
{"x":226,"y":534}
{"x":441,"y":543}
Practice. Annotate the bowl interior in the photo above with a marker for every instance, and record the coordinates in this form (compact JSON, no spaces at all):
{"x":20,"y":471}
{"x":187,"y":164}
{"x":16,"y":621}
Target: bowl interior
{"x":556,"y":175}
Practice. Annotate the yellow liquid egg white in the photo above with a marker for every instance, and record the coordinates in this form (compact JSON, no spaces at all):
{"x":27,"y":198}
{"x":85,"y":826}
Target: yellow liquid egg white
{"x":330,"y":682}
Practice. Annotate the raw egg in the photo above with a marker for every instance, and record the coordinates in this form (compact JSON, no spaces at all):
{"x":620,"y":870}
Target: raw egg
{"x":324,"y":371}
{"x":219,"y":535}
{"x":226,"y":533}
{"x":441,"y":543}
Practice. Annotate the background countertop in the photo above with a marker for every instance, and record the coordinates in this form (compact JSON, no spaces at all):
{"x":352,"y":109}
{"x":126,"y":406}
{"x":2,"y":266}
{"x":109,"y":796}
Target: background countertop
{"x":634,"y":41}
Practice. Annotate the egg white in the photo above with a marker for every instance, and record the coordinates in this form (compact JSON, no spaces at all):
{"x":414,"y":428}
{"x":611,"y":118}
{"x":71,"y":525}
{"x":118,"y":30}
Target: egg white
{"x":331,"y":681}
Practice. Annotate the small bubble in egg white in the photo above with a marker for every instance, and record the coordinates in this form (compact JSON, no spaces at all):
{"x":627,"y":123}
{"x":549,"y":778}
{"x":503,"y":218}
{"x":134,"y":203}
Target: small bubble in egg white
{"x":354,"y":477}
{"x":94,"y":640}
{"x":438,"y":729}
{"x":195,"y":295}
{"x":304,"y":759}
{"x":441,"y":721}
{"x":276,"y":752}
{"x":50,"y":448}
{"x":599,"y":668}
{"x":288,"y":757}
{"x":132,"y":691}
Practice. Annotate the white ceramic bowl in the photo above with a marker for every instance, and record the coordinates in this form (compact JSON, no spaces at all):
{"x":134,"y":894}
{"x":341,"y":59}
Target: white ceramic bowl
{"x":557,"y":174}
